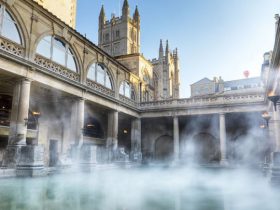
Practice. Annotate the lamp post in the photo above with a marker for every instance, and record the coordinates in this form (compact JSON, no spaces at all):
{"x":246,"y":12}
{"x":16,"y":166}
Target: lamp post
{"x":37,"y":115}
{"x":266,"y":117}
{"x":274,"y":99}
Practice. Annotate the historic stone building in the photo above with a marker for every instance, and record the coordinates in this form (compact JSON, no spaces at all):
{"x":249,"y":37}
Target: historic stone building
{"x":120,"y":37}
{"x":206,"y":87}
{"x":62,"y":97}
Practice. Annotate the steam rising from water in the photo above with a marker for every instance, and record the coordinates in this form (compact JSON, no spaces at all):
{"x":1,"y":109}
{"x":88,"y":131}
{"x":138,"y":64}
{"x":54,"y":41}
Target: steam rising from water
{"x":143,"y":189}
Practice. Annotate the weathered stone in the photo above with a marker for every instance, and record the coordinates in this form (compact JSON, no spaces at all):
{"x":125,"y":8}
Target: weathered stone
{"x":11,"y":156}
{"x":31,"y":162}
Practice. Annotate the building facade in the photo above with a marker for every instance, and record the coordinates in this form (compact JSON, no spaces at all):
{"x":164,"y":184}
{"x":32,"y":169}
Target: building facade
{"x":62,"y":96}
{"x":206,"y":87}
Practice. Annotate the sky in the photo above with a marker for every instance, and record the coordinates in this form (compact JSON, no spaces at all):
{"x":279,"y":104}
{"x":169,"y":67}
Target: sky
{"x":214,"y":37}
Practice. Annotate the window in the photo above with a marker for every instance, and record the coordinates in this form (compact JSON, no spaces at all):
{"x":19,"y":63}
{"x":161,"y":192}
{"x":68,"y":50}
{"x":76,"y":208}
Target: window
{"x":53,"y":48}
{"x":146,"y":96}
{"x":100,"y":74}
{"x":107,"y":37}
{"x":117,"y":34}
{"x":8,"y":26}
{"x":126,"y":90}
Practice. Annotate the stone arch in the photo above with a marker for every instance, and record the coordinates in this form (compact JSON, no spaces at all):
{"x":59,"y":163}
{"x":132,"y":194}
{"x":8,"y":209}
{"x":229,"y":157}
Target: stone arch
{"x":5,"y":109}
{"x":109,"y":70}
{"x":93,"y":128}
{"x":134,"y":95}
{"x":205,"y":148}
{"x":71,"y":47}
{"x":164,"y":148}
{"x":23,"y":31}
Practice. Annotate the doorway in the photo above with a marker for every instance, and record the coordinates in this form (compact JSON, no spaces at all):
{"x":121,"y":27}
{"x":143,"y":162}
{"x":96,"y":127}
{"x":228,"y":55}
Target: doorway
{"x":53,"y":152}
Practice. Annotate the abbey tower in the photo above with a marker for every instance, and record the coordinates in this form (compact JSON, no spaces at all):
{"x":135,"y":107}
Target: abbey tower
{"x":120,"y":37}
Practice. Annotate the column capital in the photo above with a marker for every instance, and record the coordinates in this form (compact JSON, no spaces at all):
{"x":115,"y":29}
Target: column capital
{"x":23,"y":79}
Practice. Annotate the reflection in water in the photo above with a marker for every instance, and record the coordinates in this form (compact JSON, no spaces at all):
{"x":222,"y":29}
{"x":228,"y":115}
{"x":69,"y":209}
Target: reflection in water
{"x":145,"y":189}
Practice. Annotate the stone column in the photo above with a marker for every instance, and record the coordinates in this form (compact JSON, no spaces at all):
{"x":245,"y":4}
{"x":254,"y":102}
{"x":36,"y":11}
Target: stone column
{"x":276,"y":127}
{"x":80,"y":122}
{"x":223,"y":137}
{"x":136,"y":154}
{"x":18,"y":125}
{"x":19,"y":116}
{"x":112,"y":133}
{"x":275,"y":156}
{"x":176,"y":138}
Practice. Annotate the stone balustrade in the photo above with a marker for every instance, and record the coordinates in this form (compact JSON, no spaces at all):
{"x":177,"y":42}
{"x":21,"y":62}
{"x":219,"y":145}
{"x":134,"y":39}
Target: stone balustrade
{"x":128,"y":101}
{"x":11,"y":47}
{"x":100,"y":88}
{"x":56,"y":68}
{"x":205,"y":102}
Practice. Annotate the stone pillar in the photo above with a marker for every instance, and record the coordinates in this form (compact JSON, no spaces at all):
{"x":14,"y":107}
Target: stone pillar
{"x":112,"y":133}
{"x":176,"y":138}
{"x":223,"y":137}
{"x":18,"y":125}
{"x":19,"y":116}
{"x":276,"y":127}
{"x":136,"y":154}
{"x":80,"y":122}
{"x":275,"y":156}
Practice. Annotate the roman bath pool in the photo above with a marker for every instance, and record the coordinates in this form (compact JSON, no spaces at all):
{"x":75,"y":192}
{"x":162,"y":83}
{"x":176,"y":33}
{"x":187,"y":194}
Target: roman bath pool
{"x":143,"y":189}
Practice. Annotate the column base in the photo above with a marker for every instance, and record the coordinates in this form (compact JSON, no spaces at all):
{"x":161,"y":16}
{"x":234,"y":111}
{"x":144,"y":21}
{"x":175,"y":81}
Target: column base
{"x":11,"y":156}
{"x":136,"y":157}
{"x":275,"y":169}
{"x":224,"y":163}
{"x":31,"y":162}
{"x":88,"y":158}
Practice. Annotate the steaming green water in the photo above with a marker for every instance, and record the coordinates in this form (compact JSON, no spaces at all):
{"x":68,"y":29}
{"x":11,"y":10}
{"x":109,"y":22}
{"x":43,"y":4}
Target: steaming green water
{"x":146,"y":189}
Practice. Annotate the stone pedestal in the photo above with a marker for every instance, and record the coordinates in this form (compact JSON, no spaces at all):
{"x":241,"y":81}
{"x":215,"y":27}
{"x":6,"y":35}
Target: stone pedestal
{"x":136,"y":154}
{"x":88,"y":157}
{"x":275,"y":169}
{"x":31,"y":161}
{"x":88,"y":154}
{"x":11,"y":156}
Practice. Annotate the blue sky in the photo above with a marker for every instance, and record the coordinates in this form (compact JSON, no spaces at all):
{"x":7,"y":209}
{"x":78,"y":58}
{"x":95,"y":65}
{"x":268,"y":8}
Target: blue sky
{"x":214,"y":37}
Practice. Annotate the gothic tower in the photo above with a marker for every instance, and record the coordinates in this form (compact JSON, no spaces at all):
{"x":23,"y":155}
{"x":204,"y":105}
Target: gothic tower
{"x":120,"y":35}
{"x":167,"y":73}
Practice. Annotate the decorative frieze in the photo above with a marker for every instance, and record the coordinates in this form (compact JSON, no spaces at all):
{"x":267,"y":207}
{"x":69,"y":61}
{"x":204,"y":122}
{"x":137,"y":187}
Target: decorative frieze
{"x":56,"y":68}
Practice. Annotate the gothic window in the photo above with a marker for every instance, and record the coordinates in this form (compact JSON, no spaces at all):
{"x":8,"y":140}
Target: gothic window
{"x":58,"y":51}
{"x":107,"y":37}
{"x":8,"y":26}
{"x":132,"y":34}
{"x":146,"y":78}
{"x":146,"y":96}
{"x":126,"y":89}
{"x":100,"y":74}
{"x":117,"y":34}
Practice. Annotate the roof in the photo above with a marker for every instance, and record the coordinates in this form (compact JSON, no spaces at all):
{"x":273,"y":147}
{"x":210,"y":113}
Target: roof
{"x":203,"y":81}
